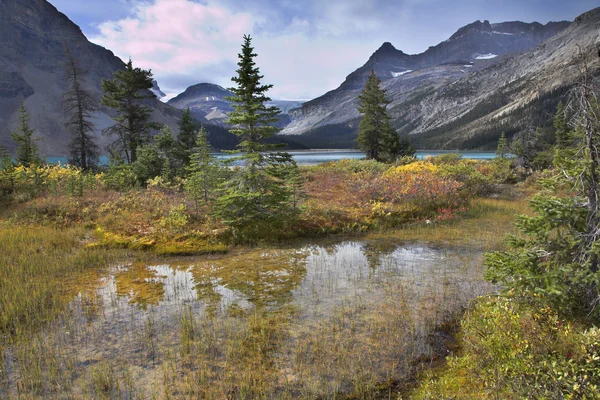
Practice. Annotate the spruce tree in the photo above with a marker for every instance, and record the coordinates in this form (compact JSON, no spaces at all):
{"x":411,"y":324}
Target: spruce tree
{"x":376,"y":136}
{"x":186,"y":139}
{"x":555,"y":259}
{"x":148,"y":165}
{"x":27,"y":149}
{"x":79,"y":106}
{"x":257,"y":199}
{"x":126,"y":93}
{"x":203,"y":172}
{"x":502,"y":148}
{"x":167,"y":146}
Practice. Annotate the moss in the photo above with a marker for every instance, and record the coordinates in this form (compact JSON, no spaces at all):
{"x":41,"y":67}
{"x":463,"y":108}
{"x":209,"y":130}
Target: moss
{"x":189,"y":249}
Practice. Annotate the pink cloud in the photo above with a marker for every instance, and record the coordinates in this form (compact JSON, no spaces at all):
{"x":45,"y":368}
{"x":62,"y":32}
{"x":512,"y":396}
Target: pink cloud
{"x":183,"y":39}
{"x":176,"y":34}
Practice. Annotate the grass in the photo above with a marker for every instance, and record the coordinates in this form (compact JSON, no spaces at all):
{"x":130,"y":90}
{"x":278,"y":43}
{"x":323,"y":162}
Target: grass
{"x":341,"y":319}
{"x":41,"y":270}
{"x":316,"y":323}
{"x":484,"y":225}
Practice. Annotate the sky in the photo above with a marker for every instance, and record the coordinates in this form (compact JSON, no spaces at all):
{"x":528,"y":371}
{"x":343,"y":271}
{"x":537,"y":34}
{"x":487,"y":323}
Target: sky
{"x":305,"y":47}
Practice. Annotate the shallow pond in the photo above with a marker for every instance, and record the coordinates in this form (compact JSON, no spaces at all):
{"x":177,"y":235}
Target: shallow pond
{"x":346,"y":317}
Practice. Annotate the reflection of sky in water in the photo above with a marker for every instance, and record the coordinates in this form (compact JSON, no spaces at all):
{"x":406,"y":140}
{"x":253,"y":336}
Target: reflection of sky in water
{"x":316,"y":278}
{"x":140,"y":303}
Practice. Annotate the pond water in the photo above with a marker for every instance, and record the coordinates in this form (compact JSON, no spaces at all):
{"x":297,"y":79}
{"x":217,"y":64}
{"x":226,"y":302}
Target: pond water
{"x":313,"y":157}
{"x":312,"y":320}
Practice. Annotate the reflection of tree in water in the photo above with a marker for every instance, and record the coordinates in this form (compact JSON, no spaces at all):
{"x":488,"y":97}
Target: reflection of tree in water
{"x":266,"y":279}
{"x":141,"y":284}
{"x":376,"y":250}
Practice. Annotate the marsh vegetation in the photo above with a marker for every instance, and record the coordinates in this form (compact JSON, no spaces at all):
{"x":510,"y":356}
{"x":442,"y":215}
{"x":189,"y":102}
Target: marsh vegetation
{"x":351,"y":317}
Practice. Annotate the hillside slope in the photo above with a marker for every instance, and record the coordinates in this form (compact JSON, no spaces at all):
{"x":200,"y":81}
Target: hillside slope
{"x":33,"y":34}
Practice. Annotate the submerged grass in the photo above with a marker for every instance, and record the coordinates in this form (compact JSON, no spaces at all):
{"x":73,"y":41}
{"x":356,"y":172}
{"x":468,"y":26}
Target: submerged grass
{"x":483,"y":226}
{"x":41,"y":269}
{"x":63,"y":337}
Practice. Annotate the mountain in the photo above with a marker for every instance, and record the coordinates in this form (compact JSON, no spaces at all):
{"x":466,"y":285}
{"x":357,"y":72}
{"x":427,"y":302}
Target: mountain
{"x":514,"y":95}
{"x":33,"y":35}
{"x":156,"y":90}
{"x":332,"y":119}
{"x":207,"y":102}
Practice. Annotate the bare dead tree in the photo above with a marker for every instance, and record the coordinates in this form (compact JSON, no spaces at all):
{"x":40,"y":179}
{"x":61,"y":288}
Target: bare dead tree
{"x":584,"y":108}
{"x":79,"y":106}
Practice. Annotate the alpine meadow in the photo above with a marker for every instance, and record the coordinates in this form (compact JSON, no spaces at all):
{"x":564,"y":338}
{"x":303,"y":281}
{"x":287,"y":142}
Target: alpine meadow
{"x":427,"y":229}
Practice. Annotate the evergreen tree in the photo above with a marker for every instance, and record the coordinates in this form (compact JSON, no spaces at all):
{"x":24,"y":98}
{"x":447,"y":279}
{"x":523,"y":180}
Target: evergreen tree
{"x":27,"y":149}
{"x":555,"y":261}
{"x":79,"y":106}
{"x":502,"y":148}
{"x":402,"y":149}
{"x":257,"y":199}
{"x":125,"y":93}
{"x":203,"y":173}
{"x":148,"y":165}
{"x":186,"y":139}
{"x":166,"y":144}
{"x":251,"y":119}
{"x":376,"y":136}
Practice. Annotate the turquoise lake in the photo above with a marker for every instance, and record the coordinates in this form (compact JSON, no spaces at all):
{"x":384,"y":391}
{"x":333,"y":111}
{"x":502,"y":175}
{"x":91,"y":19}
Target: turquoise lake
{"x":313,"y":157}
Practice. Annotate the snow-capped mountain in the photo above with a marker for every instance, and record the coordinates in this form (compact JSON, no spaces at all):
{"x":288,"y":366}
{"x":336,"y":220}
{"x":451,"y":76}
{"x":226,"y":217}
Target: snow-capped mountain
{"x":208,"y":102}
{"x":470,"y":50}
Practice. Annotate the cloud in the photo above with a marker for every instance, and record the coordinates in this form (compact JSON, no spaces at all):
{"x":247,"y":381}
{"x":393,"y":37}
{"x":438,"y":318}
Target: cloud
{"x":305,"y":48}
{"x":176,"y":37}
{"x":185,"y":42}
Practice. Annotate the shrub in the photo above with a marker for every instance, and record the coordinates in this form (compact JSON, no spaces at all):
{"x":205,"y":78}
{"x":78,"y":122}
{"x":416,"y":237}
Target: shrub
{"x":119,"y":177}
{"x":516,"y":351}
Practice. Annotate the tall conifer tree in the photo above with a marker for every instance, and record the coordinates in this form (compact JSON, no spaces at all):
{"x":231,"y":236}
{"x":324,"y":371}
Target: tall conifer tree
{"x":376,"y":136}
{"x":202,"y":170}
{"x":258,"y":198}
{"x":125,"y":93}
{"x":27,"y":149}
{"x":187,"y":132}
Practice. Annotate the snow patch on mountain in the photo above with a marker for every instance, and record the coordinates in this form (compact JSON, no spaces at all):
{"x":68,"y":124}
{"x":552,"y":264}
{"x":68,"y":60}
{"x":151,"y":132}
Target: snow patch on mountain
{"x":397,"y":74}
{"x":487,"y":56}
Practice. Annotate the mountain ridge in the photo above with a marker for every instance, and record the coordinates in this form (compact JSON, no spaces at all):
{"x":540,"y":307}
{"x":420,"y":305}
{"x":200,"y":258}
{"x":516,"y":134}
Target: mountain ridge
{"x":471,"y":48}
{"x":33,"y":34}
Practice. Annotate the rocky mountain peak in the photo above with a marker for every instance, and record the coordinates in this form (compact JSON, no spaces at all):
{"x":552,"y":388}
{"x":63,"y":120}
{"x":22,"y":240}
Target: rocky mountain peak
{"x":590,"y":16}
{"x":156,"y":90}
{"x":476,"y":26}
{"x":207,"y":91}
{"x":387,"y":47}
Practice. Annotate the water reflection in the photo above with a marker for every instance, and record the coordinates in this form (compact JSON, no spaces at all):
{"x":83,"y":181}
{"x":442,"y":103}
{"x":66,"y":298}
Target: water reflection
{"x":315,"y":277}
{"x":283,"y":319}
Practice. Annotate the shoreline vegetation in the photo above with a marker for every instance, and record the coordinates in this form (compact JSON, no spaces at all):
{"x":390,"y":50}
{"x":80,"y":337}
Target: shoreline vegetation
{"x":65,"y":230}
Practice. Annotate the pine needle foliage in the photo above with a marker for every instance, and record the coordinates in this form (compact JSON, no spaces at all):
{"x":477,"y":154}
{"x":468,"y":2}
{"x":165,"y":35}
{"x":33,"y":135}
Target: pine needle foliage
{"x":126,"y":93}
{"x":27,"y":150}
{"x":251,"y":119}
{"x":376,"y":136}
{"x":186,"y":139}
{"x":203,"y":172}
{"x":555,"y":260}
{"x":257,"y":200}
